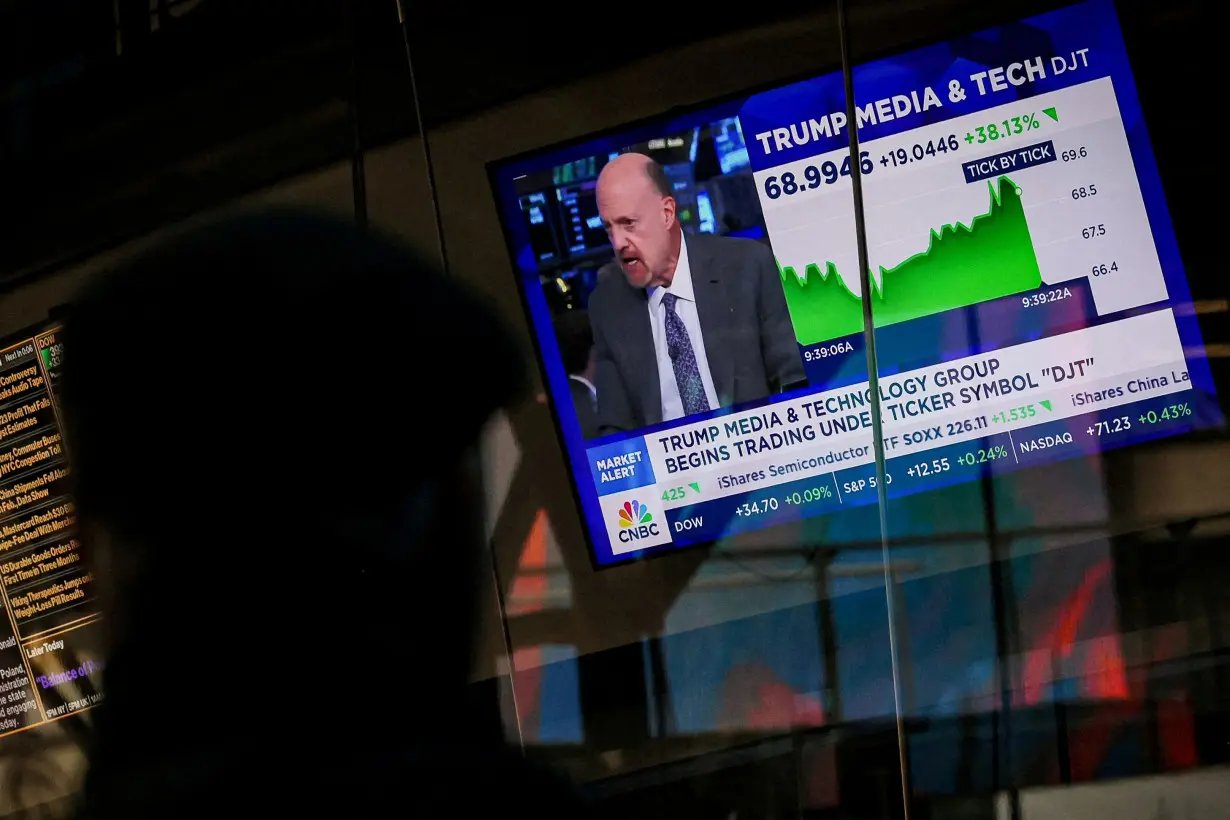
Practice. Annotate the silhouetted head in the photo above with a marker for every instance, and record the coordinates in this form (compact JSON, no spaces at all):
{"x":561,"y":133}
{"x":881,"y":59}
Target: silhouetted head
{"x":575,"y":337}
{"x":637,"y":208}
{"x":270,"y":438}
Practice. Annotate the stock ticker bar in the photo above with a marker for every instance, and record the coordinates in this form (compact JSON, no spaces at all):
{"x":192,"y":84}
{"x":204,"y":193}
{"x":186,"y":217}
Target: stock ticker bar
{"x":50,"y":662}
{"x":1069,"y":395}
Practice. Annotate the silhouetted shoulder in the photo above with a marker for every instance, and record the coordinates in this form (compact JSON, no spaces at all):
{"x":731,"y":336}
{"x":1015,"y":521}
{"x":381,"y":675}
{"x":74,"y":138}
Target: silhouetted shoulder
{"x":612,"y":287}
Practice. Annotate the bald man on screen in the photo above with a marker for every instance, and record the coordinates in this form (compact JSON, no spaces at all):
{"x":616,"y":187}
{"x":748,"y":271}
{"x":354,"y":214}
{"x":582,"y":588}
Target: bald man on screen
{"x":683,"y":324}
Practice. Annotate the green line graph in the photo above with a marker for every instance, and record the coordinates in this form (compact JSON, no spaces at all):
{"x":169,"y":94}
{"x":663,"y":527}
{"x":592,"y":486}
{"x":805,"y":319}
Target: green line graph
{"x":963,"y":265}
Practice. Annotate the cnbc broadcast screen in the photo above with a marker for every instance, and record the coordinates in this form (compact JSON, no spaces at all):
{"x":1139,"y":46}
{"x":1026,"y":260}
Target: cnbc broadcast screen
{"x":693,"y":285}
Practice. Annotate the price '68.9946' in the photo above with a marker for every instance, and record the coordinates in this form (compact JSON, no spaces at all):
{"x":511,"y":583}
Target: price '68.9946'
{"x":826,"y":173}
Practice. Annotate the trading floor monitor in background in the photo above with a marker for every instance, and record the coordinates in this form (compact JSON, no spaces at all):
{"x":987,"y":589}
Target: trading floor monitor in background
{"x":50,"y":638}
{"x":582,"y":227}
{"x":541,"y":225}
{"x":1029,"y":299}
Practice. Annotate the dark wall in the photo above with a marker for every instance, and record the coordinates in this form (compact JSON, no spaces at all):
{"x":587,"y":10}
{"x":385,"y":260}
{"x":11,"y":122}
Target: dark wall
{"x":112,"y":127}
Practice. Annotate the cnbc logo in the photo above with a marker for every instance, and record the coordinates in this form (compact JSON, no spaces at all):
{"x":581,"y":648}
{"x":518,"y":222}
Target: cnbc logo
{"x":636,"y":522}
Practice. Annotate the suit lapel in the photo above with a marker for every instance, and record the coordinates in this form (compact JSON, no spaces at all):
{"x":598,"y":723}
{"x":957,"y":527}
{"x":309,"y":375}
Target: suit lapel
{"x":712,"y":306}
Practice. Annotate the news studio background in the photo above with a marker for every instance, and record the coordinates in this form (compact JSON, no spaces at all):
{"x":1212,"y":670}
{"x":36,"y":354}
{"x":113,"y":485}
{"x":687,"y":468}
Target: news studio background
{"x":713,"y":185}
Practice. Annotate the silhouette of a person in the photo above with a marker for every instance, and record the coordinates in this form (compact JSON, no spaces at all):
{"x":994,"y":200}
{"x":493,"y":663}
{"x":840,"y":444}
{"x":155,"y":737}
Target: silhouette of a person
{"x":271,"y":456}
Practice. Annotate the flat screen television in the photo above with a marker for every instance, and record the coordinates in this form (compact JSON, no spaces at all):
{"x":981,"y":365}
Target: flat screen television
{"x":1024,"y":280}
{"x":51,"y":640}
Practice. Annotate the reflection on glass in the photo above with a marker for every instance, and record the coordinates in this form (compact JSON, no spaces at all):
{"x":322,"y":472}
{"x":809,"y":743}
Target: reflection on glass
{"x":1014,"y":356}
{"x":971,"y":616}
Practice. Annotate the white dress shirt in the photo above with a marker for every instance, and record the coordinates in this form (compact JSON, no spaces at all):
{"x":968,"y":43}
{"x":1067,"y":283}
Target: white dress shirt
{"x":685,"y":307}
{"x":593,"y":391}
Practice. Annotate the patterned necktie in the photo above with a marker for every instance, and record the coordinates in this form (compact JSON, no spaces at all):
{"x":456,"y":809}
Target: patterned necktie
{"x":683,"y":359}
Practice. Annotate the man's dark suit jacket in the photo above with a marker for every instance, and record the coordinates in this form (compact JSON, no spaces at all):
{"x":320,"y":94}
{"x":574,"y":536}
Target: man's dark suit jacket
{"x":749,"y":340}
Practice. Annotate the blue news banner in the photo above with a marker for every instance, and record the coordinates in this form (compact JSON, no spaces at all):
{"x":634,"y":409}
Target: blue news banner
{"x":1037,"y":402}
{"x":941,"y":467}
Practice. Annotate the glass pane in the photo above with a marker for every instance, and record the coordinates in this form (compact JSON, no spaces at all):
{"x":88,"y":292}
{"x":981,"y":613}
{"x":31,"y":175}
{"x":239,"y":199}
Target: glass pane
{"x":697,"y":619}
{"x":1044,"y":370}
